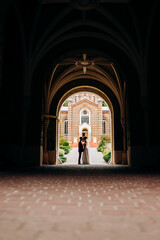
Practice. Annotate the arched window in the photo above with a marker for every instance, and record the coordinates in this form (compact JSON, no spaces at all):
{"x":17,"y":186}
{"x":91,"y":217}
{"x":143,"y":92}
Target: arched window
{"x":85,"y":116}
{"x":104,"y":127}
{"x":66,"y":127}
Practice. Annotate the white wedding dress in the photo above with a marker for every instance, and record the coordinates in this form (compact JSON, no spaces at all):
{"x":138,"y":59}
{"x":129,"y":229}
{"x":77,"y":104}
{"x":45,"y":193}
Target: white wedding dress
{"x":86,"y":154}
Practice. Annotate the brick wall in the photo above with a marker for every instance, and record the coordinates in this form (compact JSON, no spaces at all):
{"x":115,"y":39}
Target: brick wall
{"x":94,"y":105}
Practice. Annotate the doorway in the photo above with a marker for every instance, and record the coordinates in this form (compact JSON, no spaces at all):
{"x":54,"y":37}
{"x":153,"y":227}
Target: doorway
{"x":84,"y":110}
{"x":108,"y":93}
{"x":85,"y":133}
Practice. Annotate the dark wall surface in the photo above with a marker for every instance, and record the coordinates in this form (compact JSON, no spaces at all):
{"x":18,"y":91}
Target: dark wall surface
{"x":37,"y":36}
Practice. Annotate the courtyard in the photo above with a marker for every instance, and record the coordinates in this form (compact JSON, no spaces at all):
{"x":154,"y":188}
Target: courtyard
{"x":79,"y":202}
{"x":96,"y":157}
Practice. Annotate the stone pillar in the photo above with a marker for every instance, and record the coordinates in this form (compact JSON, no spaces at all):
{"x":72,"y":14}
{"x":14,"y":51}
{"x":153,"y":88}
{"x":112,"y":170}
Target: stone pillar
{"x":124,"y":153}
{"x":24,"y":113}
{"x":145,"y":106}
{"x":57,"y":141}
{"x":70,"y":120}
{"x":45,"y":154}
{"x":108,"y":130}
{"x":99,"y":118}
{"x":51,"y":140}
{"x":118,"y":140}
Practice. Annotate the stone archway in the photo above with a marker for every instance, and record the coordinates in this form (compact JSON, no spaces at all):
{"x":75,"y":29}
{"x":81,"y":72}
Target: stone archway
{"x":116,"y":153}
{"x":109,"y":85}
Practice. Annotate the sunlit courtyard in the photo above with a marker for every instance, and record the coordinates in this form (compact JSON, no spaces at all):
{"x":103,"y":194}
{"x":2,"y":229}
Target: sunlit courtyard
{"x":96,"y":157}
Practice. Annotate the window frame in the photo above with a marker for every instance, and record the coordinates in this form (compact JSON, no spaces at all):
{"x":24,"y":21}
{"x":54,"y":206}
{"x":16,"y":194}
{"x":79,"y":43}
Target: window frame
{"x":85,"y":115}
{"x":65,"y":127}
{"x":104,"y":127}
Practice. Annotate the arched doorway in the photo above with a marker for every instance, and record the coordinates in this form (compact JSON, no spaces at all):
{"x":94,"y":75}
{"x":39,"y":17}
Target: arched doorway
{"x":115,"y":113}
{"x":85,"y":111}
{"x":85,"y":132}
{"x":85,"y":126}
{"x":97,"y":79}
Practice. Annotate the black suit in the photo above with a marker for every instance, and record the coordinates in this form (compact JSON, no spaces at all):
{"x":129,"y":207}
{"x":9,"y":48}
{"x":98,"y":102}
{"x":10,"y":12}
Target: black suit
{"x":80,"y":150}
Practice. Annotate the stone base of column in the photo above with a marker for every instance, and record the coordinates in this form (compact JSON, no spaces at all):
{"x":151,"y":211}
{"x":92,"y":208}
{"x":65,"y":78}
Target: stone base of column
{"x":124,"y":158}
{"x":118,"y":157}
{"x":52,"y":157}
{"x":45,"y":158}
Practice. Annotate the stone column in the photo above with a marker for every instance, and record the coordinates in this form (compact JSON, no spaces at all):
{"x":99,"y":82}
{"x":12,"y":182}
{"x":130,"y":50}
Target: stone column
{"x":99,"y":118}
{"x":70,"y":120}
{"x":118,"y":139}
{"x":51,"y":140}
{"x":24,"y":113}
{"x":45,"y":154}
{"x":124,"y":153}
{"x":145,"y":106}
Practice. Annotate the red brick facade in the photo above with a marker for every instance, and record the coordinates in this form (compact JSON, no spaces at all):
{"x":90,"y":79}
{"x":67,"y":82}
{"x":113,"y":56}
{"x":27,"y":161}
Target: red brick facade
{"x":85,"y":116}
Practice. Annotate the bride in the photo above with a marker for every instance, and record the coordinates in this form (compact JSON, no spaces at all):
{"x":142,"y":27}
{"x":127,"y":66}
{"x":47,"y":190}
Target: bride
{"x":86,"y":154}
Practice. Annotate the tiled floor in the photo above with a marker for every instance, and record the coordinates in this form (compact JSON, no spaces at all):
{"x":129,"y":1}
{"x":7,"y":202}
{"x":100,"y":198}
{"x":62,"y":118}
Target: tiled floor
{"x":79,"y":202}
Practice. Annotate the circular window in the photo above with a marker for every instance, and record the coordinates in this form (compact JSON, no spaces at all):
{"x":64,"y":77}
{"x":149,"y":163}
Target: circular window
{"x":85,"y":112}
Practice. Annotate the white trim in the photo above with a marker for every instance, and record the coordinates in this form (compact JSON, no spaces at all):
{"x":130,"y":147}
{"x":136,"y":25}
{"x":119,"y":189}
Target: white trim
{"x":105,"y":108}
{"x":64,"y":109}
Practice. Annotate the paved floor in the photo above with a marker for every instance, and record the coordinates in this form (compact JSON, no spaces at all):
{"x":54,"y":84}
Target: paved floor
{"x":96,"y":157}
{"x":79,"y":202}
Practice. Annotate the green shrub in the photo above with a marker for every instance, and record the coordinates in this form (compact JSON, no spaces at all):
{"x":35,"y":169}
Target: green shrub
{"x":99,"y":149}
{"x":61,"y":140}
{"x":105,"y":152}
{"x":65,"y":104}
{"x":104,"y":149}
{"x":107,"y":157}
{"x":61,"y":152}
{"x":63,"y":159}
{"x":102,"y":145}
{"x":106,"y":138}
{"x":69,"y":147}
{"x":65,"y":143}
{"x":65,"y":148}
{"x":104,"y":104}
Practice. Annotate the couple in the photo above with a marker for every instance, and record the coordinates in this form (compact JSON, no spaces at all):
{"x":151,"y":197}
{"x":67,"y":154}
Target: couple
{"x":84,"y":147}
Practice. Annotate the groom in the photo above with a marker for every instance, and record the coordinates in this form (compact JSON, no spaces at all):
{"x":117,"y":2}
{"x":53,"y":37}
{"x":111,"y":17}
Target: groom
{"x":80,"y":150}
